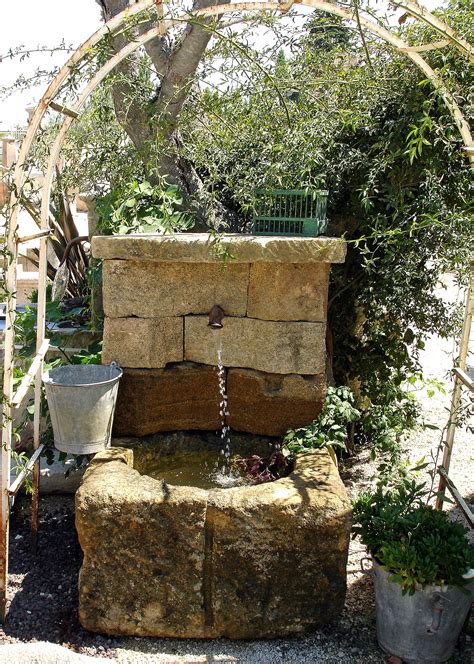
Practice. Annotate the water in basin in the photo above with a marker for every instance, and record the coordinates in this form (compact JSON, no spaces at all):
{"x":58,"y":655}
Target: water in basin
{"x":205,"y":470}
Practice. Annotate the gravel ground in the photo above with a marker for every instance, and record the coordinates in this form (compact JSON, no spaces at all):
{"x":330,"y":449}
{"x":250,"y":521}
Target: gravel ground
{"x":43,"y":588}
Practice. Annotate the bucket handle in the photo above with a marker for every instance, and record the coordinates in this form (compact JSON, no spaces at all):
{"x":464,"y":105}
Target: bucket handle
{"x":438,"y":608}
{"x":366,"y":570}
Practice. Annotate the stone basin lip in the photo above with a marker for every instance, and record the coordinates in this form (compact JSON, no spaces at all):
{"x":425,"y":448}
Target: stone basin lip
{"x":310,"y":473}
{"x":196,"y":248}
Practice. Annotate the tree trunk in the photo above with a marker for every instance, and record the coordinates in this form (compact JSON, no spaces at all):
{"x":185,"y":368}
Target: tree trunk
{"x":156,"y":123}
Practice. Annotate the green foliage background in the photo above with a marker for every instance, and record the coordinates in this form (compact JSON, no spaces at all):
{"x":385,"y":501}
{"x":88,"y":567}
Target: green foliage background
{"x":417,"y":544}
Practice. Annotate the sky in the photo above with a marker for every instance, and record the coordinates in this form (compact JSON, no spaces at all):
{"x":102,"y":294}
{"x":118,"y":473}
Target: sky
{"x":39,"y":22}
{"x":33,"y":23}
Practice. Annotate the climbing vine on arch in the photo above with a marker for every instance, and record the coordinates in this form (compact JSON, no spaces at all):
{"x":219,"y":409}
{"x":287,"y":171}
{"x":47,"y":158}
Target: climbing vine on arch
{"x":379,"y":138}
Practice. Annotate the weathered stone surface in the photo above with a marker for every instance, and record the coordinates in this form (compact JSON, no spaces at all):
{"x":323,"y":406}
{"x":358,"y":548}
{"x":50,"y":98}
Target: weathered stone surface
{"x":149,"y":289}
{"x":279,"y":552}
{"x":196,"y":248}
{"x":249,"y":562}
{"x":143,"y":544}
{"x":143,"y":342}
{"x":269,"y":404}
{"x":288,"y":291}
{"x":274,"y":347}
{"x":183,"y":396}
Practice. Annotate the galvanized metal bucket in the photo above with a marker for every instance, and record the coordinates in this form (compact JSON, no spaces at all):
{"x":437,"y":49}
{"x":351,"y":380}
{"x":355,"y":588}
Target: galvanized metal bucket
{"x":422,"y":628}
{"x":81,"y":400}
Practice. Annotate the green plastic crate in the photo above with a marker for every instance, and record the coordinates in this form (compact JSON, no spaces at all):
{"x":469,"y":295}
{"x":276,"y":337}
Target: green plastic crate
{"x":290,"y":212}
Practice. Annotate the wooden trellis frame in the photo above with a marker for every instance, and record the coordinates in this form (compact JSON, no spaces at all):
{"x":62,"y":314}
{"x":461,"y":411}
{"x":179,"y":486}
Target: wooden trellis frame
{"x":461,"y":380}
{"x":164,"y":23}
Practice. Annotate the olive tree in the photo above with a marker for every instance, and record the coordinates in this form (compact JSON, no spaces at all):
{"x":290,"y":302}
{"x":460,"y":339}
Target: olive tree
{"x":154,"y":120}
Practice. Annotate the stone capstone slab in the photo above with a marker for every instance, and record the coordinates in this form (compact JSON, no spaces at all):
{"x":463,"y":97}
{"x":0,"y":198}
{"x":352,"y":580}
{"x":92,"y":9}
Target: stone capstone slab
{"x":270,"y":346}
{"x":288,"y":291}
{"x":143,"y":342}
{"x":149,"y":289}
{"x":182,"y":396}
{"x":270,"y":404}
{"x":256,"y":561}
{"x":197,"y":248}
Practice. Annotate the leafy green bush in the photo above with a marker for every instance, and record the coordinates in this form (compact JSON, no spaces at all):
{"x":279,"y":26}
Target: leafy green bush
{"x":379,"y":138}
{"x":329,"y":429}
{"x":381,"y":425}
{"x":142,"y":207}
{"x":417,"y":544}
{"x":378,"y":514}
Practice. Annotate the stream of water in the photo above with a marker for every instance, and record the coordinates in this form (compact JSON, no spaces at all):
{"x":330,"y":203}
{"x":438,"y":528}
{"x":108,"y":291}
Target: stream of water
{"x":223,"y":412}
{"x":210,"y":469}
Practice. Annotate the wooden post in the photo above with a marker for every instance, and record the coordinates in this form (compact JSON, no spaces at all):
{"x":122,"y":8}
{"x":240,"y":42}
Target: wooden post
{"x":456,"y":397}
{"x":5,"y":455}
{"x":40,"y":343}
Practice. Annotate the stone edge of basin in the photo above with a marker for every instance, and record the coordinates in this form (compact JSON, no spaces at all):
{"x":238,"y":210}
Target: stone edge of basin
{"x":196,"y":248}
{"x":307,"y":468}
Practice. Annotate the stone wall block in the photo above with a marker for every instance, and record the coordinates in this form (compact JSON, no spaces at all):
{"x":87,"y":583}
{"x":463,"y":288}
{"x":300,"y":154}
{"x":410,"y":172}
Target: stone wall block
{"x":274,"y":347}
{"x":143,"y":342}
{"x":288,"y":291}
{"x":287,"y":537}
{"x":270,"y":404}
{"x":143,"y":545}
{"x":179,"y":397}
{"x":150,"y":289}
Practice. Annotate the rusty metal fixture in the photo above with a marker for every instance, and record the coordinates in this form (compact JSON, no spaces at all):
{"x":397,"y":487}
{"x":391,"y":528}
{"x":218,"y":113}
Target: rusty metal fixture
{"x":216,"y":315}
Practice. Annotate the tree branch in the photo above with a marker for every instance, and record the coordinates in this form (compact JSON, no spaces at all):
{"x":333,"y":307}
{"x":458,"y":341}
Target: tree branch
{"x":176,"y":69}
{"x":130,"y":114}
{"x":182,"y":65}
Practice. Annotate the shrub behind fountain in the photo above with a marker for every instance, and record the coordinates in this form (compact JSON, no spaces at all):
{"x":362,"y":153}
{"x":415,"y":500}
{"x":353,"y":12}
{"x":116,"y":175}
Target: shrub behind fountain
{"x":247,"y":562}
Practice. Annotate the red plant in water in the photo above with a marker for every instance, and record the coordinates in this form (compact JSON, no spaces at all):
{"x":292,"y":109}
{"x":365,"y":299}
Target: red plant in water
{"x":264,"y":469}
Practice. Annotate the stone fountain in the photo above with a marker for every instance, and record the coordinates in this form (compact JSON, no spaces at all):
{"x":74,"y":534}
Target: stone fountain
{"x":190,"y":561}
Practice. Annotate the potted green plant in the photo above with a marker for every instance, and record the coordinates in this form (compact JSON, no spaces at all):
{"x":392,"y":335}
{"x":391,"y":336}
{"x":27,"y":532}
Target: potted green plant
{"x":423,"y":571}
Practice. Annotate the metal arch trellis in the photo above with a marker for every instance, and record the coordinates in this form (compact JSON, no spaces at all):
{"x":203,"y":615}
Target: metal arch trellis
{"x":163,"y":24}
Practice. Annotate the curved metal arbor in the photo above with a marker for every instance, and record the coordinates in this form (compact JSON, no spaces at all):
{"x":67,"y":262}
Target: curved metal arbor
{"x":163,"y":24}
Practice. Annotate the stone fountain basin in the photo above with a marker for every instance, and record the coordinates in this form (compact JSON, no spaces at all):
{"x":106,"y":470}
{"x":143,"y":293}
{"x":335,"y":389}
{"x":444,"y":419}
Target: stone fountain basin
{"x":175,"y":561}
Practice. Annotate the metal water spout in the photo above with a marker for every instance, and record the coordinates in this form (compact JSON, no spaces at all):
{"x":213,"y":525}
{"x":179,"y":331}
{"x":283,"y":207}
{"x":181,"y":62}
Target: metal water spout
{"x":216,"y":315}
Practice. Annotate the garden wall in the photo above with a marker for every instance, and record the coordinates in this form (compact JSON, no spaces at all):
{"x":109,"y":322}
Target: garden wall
{"x":158,"y":291}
